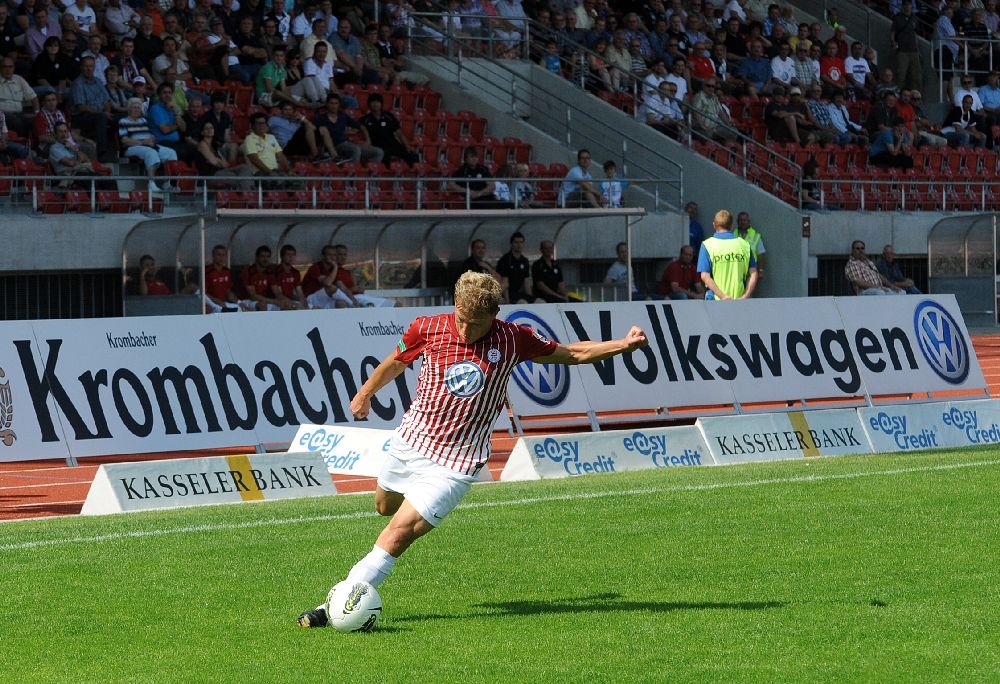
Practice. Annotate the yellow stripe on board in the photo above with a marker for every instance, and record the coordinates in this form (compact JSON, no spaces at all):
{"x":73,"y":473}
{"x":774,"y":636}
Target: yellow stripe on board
{"x":800,"y":424}
{"x":241,"y":465}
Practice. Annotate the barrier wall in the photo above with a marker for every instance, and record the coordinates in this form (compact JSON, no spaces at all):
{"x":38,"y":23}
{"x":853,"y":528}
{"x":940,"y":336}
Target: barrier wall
{"x":111,"y":386}
{"x":760,"y":437}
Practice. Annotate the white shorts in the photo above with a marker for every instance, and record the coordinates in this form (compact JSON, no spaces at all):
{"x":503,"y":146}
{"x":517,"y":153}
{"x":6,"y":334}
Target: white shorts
{"x":432,"y":489}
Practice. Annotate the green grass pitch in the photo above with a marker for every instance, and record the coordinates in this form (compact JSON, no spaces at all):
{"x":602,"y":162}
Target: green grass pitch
{"x":876,"y":568}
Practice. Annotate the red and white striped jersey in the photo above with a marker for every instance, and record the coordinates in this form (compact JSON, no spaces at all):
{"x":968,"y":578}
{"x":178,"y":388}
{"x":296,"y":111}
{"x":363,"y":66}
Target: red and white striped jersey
{"x":461,"y":387}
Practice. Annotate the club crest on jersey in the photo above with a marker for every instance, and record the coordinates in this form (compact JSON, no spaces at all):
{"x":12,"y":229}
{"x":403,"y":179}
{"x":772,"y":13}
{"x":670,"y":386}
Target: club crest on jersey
{"x":464,"y":379}
{"x":493,"y":355}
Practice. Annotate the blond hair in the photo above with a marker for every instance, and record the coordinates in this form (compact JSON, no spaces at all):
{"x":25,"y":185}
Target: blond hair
{"x":478,"y":293}
{"x":723,"y":219}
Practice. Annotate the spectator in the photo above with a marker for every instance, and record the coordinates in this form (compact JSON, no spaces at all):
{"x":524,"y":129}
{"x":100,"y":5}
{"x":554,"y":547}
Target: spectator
{"x":286,"y":283}
{"x":264,"y":153}
{"x":601,"y":76}
{"x":523,"y":190}
{"x":138,"y":141}
{"x":208,"y":161}
{"x":147,"y":41}
{"x":710,"y":115}
{"x":375,"y":71}
{"x":140,"y":90}
{"x":696,"y":234}
{"x":967,"y":89}
{"x":806,"y":68}
{"x":149,"y":284}
{"x":515,"y":270}
{"x":167,"y":125}
{"x":832,"y":70}
{"x":95,"y":49}
{"x":43,"y":28}
{"x":820,"y":114}
{"x":50,"y":71}
{"x":578,"y":189}
{"x":474,"y":183}
{"x":679,"y":76}
{"x":860,"y":80}
{"x":385,"y":133}
{"x":619,"y":61}
{"x":681,"y":279}
{"x":977,"y":45}
{"x":297,"y":135}
{"x":509,"y":27}
{"x":753,"y":237}
{"x":86,"y":18}
{"x":782,"y":119}
{"x":961,"y":126}
{"x":257,"y":282}
{"x":477,"y":263}
{"x":922,"y":125}
{"x":250,"y":53}
{"x":618,"y":272}
{"x":890,"y":270}
{"x":67,"y":158}
{"x":881,"y":116}
{"x":864,"y":276}
{"x":547,"y":276}
{"x":219,"y":294}
{"x":848,"y":132}
{"x":946,"y":52}
{"x":663,"y":112}
{"x":338,"y":126}
{"x":726,"y":262}
{"x":11,"y":34}
{"x":9,"y":149}
{"x":270,"y":84}
{"x":132,"y":67}
{"x":16,"y":96}
{"x":282,"y":20}
{"x":392,"y":56}
{"x":892,"y":147}
{"x":783,"y":66}
{"x":117,"y":94}
{"x":91,"y":106}
{"x":219,"y":117}
{"x":319,"y":80}
{"x":612,"y":187}
{"x":170,"y":58}
{"x":886,"y":84}
{"x":120,"y":20}
{"x":755,"y":71}
{"x":350,"y":64}
{"x":316,"y":36}
{"x":45,"y":126}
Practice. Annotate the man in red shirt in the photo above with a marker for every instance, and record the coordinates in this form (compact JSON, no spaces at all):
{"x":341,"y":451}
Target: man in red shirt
{"x":681,"y":280}
{"x":219,"y":295}
{"x":149,"y":284}
{"x":320,"y":284}
{"x":350,"y":294}
{"x":257,"y":280}
{"x":286,"y":282}
{"x":444,"y":438}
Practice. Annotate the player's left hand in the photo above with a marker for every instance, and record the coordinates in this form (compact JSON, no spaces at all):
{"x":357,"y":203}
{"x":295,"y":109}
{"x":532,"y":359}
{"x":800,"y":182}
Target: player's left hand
{"x":636,"y":338}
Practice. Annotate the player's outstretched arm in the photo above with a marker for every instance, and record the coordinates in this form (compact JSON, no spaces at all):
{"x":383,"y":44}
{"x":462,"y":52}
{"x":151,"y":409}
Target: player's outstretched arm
{"x":590,"y":352}
{"x":386,"y":372}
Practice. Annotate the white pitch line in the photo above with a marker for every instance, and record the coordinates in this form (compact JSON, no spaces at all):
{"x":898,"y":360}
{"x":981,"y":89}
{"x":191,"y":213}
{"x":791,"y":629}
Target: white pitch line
{"x":278,"y":522}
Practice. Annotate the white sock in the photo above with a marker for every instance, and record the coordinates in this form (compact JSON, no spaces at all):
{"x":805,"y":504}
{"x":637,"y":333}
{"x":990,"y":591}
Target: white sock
{"x":373,"y":568}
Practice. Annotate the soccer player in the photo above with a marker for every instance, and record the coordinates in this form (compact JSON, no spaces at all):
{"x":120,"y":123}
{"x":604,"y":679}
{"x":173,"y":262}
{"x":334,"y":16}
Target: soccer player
{"x":444,"y":438}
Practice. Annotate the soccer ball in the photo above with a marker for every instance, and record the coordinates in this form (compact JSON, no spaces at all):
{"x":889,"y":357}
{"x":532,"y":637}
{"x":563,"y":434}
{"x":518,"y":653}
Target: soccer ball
{"x":353,"y":607}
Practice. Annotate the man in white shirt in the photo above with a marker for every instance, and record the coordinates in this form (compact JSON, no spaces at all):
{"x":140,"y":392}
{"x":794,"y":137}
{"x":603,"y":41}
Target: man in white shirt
{"x":783,"y":66}
{"x":967,"y":89}
{"x":679,"y":78}
{"x":859,"y":72}
{"x":657,"y":75}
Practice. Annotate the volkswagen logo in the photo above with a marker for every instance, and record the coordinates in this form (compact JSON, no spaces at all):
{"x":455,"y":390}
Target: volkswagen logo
{"x":941,"y":342}
{"x":546,"y":383}
{"x":464,"y":379}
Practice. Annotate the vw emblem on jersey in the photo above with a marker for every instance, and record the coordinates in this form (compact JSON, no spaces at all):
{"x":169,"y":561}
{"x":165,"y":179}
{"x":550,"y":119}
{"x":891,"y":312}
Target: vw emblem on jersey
{"x":493,"y":355}
{"x":464,"y":379}
{"x":546,"y":383}
{"x":941,"y":342}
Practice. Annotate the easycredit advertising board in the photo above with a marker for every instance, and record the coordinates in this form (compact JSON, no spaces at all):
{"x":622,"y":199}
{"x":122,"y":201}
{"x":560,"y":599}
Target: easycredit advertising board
{"x":911,"y":426}
{"x":112,"y":386}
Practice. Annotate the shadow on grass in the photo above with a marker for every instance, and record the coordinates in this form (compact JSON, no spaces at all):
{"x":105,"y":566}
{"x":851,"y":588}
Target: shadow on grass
{"x":596,"y":603}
